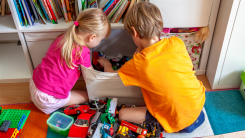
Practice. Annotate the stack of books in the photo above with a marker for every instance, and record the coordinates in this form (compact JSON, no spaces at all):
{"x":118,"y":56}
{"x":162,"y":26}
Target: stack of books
{"x":116,"y":9}
{"x":4,"y":8}
{"x":43,"y":11}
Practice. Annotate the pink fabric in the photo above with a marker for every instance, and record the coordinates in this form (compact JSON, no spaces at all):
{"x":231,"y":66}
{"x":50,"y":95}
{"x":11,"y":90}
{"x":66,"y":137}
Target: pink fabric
{"x":55,"y":79}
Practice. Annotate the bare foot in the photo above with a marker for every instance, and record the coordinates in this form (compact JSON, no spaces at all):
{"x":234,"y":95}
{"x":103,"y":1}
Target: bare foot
{"x":30,"y":100}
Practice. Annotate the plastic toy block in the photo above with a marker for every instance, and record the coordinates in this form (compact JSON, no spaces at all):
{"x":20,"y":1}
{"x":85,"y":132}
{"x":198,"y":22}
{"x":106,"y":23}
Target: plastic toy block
{"x":15,"y":133}
{"x":21,"y":122}
{"x":5,"y":126}
{"x":1,"y":110}
{"x":3,"y":116}
{"x":14,"y":115}
{"x":104,"y":118}
{"x":7,"y":134}
{"x":108,"y":105}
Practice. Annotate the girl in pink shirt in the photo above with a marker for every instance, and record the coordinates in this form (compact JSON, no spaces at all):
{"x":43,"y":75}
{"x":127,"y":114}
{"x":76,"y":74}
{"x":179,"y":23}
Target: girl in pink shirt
{"x":53,"y":79}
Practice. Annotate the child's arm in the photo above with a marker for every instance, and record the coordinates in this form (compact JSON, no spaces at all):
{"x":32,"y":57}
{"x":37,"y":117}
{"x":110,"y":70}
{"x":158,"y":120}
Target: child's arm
{"x":107,"y":65}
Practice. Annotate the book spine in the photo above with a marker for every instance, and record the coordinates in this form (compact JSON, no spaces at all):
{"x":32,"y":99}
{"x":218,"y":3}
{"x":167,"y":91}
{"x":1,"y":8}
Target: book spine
{"x":111,"y":7}
{"x":60,"y":6}
{"x":115,"y":9}
{"x":48,"y":12}
{"x":59,"y":11}
{"x":29,"y":11}
{"x":79,"y":5}
{"x":33,"y":9}
{"x":39,"y":13}
{"x":54,"y":10}
{"x":18,"y":12}
{"x":76,"y":7}
{"x":113,"y":20}
{"x":51,"y":11}
{"x":108,"y":5}
{"x":68,"y":9}
{"x":26,"y":11}
{"x":64,"y":10}
{"x":23,"y":12}
{"x":44,"y":10}
{"x":123,"y":11}
{"x":38,"y":10}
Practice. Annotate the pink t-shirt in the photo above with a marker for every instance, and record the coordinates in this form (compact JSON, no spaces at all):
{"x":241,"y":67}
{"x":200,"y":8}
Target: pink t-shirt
{"x":55,"y":79}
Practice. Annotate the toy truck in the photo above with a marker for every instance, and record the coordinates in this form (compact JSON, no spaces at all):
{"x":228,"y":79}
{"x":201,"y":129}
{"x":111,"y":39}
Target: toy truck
{"x":134,"y":128}
{"x":94,"y":123}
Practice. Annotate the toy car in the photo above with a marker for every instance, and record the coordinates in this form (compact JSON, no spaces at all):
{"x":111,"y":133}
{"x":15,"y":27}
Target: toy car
{"x":80,"y":127}
{"x":98,"y":104}
{"x":76,"y":109}
{"x":94,"y":123}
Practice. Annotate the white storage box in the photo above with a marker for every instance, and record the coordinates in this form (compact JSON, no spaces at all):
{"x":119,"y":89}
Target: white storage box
{"x":184,"y":13}
{"x":103,"y":84}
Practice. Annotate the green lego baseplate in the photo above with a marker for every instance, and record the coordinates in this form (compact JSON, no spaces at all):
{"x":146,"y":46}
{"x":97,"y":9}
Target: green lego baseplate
{"x":14,"y":115}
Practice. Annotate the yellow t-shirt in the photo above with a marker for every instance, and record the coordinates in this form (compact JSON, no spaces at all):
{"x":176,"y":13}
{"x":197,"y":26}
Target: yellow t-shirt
{"x":171,"y":91}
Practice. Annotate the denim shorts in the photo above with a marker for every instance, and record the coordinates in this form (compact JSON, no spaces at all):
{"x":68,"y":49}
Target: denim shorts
{"x":188,"y":129}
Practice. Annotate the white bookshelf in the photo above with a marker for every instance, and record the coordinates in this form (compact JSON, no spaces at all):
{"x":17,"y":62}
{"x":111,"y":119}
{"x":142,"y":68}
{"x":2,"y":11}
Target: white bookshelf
{"x":7,"y":24}
{"x":11,"y":24}
{"x":13,"y":64}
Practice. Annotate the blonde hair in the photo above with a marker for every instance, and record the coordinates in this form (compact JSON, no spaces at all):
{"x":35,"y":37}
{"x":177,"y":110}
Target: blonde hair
{"x":92,"y":21}
{"x":146,"y":18}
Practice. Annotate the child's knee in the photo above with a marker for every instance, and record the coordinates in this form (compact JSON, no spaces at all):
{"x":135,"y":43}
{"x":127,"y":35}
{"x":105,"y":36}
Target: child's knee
{"x":122,"y":114}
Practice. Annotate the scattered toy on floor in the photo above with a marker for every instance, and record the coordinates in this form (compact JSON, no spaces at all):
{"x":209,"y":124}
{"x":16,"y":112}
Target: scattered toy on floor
{"x":99,"y":119}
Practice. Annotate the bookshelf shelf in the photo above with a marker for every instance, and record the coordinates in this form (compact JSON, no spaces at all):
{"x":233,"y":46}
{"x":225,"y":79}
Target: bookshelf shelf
{"x":13,"y":64}
{"x":7,"y":24}
{"x":39,"y":27}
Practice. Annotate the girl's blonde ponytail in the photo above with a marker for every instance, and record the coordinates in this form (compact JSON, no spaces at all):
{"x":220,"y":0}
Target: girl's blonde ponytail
{"x":92,"y":21}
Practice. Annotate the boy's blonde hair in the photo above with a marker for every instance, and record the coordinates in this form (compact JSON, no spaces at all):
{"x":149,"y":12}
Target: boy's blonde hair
{"x":92,"y":21}
{"x":146,"y":18}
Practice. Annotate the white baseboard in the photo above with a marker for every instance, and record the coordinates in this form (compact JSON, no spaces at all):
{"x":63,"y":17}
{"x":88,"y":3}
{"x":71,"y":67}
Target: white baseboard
{"x":200,"y":72}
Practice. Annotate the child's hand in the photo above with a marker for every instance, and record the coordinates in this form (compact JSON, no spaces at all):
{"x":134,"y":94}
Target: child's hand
{"x":104,"y":61}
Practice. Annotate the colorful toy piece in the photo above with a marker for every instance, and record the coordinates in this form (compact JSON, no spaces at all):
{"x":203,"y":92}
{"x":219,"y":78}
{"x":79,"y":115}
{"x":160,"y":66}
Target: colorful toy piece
{"x":105,"y":131}
{"x":113,"y":106}
{"x":81,"y":125}
{"x":15,"y":117}
{"x":5,"y":126}
{"x":134,"y":128}
{"x":76,"y":109}
{"x":60,"y":123}
{"x":93,"y":124}
{"x":1,"y":110}
{"x":123,"y":130}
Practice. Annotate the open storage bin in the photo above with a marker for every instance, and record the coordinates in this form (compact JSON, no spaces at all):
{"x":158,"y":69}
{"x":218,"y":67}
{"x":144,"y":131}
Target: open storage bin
{"x":60,"y":123}
{"x":103,"y":84}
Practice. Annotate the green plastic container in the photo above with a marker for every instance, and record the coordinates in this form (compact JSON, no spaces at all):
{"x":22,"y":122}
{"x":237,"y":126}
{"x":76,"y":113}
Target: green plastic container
{"x":242,"y":88}
{"x":60,"y":123}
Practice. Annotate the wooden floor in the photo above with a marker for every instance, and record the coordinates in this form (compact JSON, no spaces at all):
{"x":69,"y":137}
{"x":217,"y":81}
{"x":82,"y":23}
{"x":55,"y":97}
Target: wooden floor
{"x":11,"y":93}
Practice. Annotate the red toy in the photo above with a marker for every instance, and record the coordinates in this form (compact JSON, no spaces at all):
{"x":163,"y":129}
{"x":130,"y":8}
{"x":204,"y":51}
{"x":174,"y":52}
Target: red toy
{"x":76,"y":109}
{"x":134,"y":128}
{"x":80,"y":128}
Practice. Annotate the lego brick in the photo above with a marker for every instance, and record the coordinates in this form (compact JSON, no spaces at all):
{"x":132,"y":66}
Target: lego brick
{"x":3,"y":116}
{"x":14,"y":115}
{"x":21,"y":122}
{"x":7,"y":134}
{"x":16,"y":132}
{"x":5,"y":126}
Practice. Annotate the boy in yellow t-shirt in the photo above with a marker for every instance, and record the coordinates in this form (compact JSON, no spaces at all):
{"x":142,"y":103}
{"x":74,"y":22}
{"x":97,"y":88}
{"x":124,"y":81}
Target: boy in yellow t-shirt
{"x":163,"y":69}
